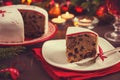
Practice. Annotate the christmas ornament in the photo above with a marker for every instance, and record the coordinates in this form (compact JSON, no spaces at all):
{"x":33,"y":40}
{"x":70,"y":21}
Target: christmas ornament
{"x":8,"y":2}
{"x":68,"y":2}
{"x":101,"y":11}
{"x":78,"y":9}
{"x":64,"y":8}
{"x":55,"y":10}
{"x":52,"y":2}
{"x":103,"y":15}
{"x":13,"y":72}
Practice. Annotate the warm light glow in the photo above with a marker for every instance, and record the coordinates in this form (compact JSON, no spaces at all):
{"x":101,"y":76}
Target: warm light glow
{"x":22,"y":1}
{"x":56,"y":5}
{"x":28,"y":2}
{"x":58,"y":20}
{"x":59,"y":17}
{"x":67,"y":13}
{"x":85,"y":20}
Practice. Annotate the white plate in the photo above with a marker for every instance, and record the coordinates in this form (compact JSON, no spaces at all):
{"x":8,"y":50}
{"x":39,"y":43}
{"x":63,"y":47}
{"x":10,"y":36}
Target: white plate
{"x":53,"y":52}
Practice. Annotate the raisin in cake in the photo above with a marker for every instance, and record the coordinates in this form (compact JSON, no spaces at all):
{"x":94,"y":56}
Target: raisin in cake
{"x":11,"y":28}
{"x":80,"y":44}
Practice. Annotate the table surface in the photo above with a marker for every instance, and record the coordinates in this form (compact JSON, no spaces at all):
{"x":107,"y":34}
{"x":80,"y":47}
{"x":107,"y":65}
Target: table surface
{"x":31,"y":69}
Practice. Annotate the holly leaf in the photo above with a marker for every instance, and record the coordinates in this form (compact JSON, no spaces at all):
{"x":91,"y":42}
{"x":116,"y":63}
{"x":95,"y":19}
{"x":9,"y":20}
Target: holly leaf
{"x":96,"y":2}
{"x":85,"y":5}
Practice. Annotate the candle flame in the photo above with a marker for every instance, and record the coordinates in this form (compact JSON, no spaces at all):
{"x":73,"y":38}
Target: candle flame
{"x":84,"y":19}
{"x":28,"y":2}
{"x":67,"y":13}
{"x":22,"y":1}
{"x":59,"y":17}
{"x":56,"y":5}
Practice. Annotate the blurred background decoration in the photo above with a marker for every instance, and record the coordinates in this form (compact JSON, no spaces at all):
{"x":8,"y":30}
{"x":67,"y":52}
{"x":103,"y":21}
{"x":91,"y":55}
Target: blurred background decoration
{"x":88,"y":7}
{"x":77,"y":7}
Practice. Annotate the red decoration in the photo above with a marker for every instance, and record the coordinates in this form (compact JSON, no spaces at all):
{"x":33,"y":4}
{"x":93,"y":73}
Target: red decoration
{"x":36,"y":0}
{"x":101,"y":55}
{"x":8,"y":3}
{"x":68,"y":2}
{"x":13,"y":72}
{"x":52,"y":2}
{"x":101,"y":11}
{"x":78,"y":9}
{"x":2,"y":12}
{"x":64,"y":8}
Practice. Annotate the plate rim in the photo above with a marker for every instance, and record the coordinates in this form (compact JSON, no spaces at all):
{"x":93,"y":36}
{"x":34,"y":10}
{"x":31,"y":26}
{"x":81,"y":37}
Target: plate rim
{"x":52,"y":29}
{"x":73,"y":63}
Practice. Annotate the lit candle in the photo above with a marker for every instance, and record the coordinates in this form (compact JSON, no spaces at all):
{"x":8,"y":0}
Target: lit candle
{"x":28,"y":2}
{"x":55,"y":11}
{"x":75,"y":21}
{"x":58,"y":20}
{"x":67,"y":15}
{"x":85,"y":22}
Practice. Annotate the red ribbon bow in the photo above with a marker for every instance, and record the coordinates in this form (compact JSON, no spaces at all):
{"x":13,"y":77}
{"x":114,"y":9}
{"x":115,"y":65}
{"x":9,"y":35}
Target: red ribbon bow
{"x":2,"y":12}
{"x":101,"y":55}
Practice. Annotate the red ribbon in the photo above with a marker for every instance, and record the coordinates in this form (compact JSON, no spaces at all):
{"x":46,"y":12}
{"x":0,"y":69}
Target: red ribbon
{"x":2,"y":12}
{"x":101,"y":55}
{"x":13,"y":72}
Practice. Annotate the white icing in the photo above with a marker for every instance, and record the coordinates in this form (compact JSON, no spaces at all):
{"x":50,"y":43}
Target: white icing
{"x":11,"y":25}
{"x":72,"y":30}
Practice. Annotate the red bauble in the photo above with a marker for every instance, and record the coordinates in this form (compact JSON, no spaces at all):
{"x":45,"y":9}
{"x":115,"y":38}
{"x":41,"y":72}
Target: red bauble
{"x":8,"y":2}
{"x":64,"y":8}
{"x":78,"y":9}
{"x":101,"y":11}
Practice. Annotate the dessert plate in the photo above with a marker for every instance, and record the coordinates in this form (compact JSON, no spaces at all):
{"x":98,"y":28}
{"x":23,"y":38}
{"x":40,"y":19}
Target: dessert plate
{"x":94,"y":21}
{"x":50,"y":33}
{"x":53,"y":52}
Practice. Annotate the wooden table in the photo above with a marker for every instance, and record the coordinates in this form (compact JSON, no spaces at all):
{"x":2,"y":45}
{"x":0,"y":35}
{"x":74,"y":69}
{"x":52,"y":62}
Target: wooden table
{"x":31,"y":69}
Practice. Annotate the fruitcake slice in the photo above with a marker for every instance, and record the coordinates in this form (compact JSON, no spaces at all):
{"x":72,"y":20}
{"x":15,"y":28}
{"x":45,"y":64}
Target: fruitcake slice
{"x":81,"y":45}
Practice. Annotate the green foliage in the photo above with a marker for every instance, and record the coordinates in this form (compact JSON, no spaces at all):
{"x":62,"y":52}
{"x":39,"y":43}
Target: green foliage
{"x":16,"y":1}
{"x":89,"y":5}
{"x":8,"y":52}
{"x":77,"y":2}
{"x":44,"y":4}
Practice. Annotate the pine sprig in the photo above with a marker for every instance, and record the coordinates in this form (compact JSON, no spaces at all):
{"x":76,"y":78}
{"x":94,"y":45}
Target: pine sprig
{"x":8,"y":52}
